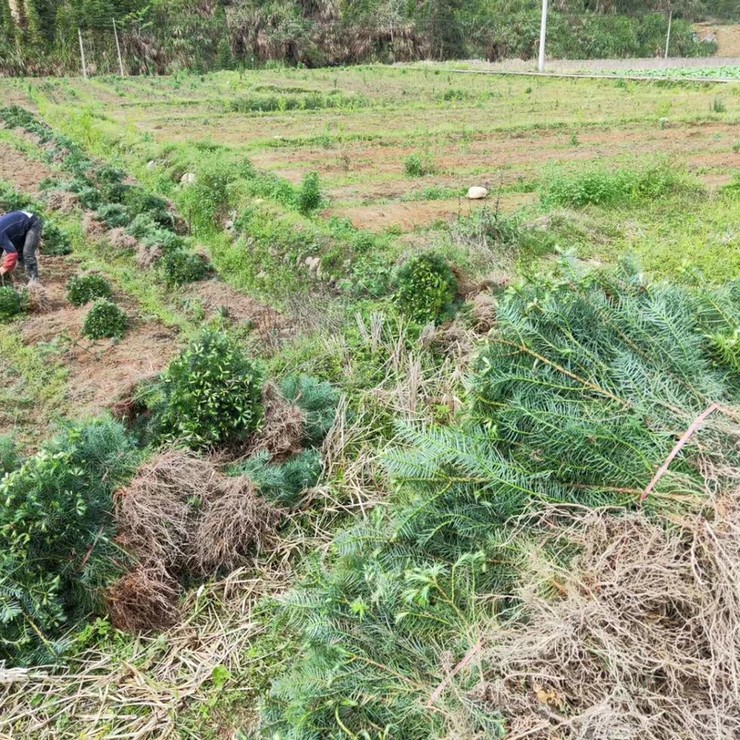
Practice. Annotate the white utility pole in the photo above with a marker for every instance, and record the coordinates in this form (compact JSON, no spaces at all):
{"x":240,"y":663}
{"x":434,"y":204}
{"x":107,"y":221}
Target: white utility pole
{"x":82,"y":54}
{"x":543,"y":36}
{"x":118,"y":49}
{"x":668,"y":36}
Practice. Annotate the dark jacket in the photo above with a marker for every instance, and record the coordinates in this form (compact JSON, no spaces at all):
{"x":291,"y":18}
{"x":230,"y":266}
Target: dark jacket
{"x":13,"y":229}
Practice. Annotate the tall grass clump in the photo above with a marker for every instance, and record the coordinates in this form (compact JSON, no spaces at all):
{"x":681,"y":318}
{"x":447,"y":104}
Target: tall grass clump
{"x":418,"y":165}
{"x":308,"y":197}
{"x":57,"y":548}
{"x":600,"y":186}
{"x":578,"y":398}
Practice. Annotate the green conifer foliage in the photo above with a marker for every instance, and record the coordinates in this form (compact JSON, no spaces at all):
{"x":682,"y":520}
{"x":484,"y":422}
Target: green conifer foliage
{"x":579,"y":398}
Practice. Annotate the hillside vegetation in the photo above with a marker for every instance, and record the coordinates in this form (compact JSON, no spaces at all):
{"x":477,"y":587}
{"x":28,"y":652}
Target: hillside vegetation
{"x":278,"y":460}
{"x":165,"y":36}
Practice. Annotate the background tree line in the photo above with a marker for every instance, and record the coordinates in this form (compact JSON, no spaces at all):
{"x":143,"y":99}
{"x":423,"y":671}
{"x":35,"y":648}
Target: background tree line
{"x":166,"y":35}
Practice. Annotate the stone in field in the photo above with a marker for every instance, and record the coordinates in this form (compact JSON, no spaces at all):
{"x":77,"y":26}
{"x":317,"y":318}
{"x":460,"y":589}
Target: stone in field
{"x":188,"y":178}
{"x":477,"y":193}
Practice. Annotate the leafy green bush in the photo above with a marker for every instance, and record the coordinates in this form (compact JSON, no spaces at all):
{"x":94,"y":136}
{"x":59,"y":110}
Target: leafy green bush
{"x":609,"y":187}
{"x":180,"y":267}
{"x":426,"y":288}
{"x":13,"y":200}
{"x":140,"y":202}
{"x":105,"y":320}
{"x":57,"y":548}
{"x":56,"y":243}
{"x":210,"y":394}
{"x":82,"y":289}
{"x":309,"y":196}
{"x":10,"y":455}
{"x":207,"y":199}
{"x":114,"y":214}
{"x":12,"y":302}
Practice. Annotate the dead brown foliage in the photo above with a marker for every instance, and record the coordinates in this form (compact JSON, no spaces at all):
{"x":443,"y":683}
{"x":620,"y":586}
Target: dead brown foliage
{"x":282,"y":429}
{"x":155,"y":513}
{"x":644,"y":643}
{"x":233,"y":523}
{"x":39,"y":300}
{"x":483,"y":312}
{"x":122,"y":241}
{"x":180,"y":516}
{"x":93,"y":228}
{"x":144,"y":599}
{"x":62,"y":200}
{"x":147,"y":257}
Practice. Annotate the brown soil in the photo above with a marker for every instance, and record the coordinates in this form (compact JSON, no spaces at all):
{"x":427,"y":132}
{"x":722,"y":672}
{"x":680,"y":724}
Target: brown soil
{"x":420,"y":214}
{"x":728,"y":37}
{"x":21,"y":172}
{"x":98,"y":371}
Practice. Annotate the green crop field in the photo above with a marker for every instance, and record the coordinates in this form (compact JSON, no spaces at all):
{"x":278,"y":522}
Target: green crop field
{"x":299,"y":441}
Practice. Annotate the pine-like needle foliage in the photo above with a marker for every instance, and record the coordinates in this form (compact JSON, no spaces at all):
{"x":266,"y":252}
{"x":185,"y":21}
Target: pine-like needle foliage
{"x":579,"y":397}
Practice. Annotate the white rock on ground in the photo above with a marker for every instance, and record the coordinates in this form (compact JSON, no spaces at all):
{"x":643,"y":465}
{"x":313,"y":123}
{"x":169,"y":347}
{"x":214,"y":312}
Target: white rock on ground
{"x":188,"y":178}
{"x":477,"y":193}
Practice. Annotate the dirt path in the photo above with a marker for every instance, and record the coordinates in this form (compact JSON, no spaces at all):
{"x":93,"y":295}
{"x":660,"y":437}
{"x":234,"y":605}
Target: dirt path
{"x":20,"y":171}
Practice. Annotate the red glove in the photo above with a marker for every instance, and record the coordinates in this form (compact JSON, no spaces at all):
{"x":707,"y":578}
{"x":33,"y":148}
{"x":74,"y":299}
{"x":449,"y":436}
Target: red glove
{"x":9,"y":263}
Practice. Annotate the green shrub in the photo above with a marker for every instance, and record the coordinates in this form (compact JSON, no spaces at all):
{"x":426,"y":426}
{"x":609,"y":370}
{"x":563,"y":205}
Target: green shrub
{"x":142,"y":225}
{"x":56,"y":243}
{"x":57,"y":549}
{"x":576,"y":400}
{"x":417,"y":165}
{"x":82,"y":289}
{"x":283,"y":484}
{"x":309,"y":196}
{"x":12,"y":302}
{"x":10,"y":455}
{"x":210,"y":394}
{"x":206,"y":200}
{"x":105,"y":320}
{"x":12,"y":200}
{"x":426,"y":288}
{"x":114,"y":214}
{"x":180,"y":266}
{"x":141,"y":202}
{"x":317,"y":399}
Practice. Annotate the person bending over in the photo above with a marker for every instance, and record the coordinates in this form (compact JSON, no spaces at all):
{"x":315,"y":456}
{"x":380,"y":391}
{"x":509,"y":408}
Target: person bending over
{"x":20,"y":234}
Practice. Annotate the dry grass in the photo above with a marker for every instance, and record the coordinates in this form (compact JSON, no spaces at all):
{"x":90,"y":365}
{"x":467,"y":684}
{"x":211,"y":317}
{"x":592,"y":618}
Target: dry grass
{"x":155,"y":514}
{"x":147,"y":257}
{"x":181,"y":516}
{"x":144,"y":599}
{"x":39,"y":300}
{"x":232,"y":525}
{"x":122,"y":241}
{"x":643,"y":643}
{"x":93,"y":228}
{"x":152,"y":687}
{"x":63,"y":201}
{"x":282,"y":428}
